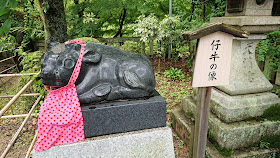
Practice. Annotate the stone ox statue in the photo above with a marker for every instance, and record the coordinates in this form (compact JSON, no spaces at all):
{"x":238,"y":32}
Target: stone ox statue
{"x":106,"y":73}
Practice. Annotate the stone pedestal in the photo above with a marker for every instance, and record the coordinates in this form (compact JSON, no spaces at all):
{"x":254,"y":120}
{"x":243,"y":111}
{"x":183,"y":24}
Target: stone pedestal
{"x":124,"y":116}
{"x":182,"y":122}
{"x":141,"y":128}
{"x":155,"y":142}
{"x":234,"y":135}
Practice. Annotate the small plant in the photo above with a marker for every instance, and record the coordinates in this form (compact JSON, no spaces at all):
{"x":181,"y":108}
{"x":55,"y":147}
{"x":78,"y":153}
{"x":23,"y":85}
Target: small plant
{"x":169,"y":124}
{"x":277,"y":92}
{"x":181,"y":144}
{"x":174,"y":74}
{"x":264,"y":144}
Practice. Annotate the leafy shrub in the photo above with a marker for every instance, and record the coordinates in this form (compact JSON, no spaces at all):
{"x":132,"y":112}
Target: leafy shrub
{"x":174,"y":74}
{"x":131,"y":46}
{"x":271,"y":48}
{"x":87,"y":39}
{"x":31,"y":64}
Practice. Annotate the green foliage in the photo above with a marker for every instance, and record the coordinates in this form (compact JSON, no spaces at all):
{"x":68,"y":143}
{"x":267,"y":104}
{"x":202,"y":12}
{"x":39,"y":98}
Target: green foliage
{"x":31,"y":61}
{"x":270,"y":141}
{"x":87,"y":39}
{"x":147,"y":27}
{"x":271,"y":48}
{"x":181,"y":142}
{"x":277,"y":91}
{"x":131,"y":46}
{"x":174,"y":74}
{"x":264,"y":144}
{"x":272,"y":113}
{"x":31,"y":64}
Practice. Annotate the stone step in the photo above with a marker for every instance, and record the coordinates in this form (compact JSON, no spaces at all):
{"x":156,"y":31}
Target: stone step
{"x":181,"y":121}
{"x":237,"y":108}
{"x":155,"y":142}
{"x":238,"y":134}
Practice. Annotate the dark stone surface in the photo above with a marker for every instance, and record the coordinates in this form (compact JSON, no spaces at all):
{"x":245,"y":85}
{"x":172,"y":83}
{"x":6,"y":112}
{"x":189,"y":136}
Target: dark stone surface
{"x":106,"y":73}
{"x":124,"y":116}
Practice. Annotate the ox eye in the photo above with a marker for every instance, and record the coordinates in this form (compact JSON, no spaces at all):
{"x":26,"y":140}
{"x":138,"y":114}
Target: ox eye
{"x":69,"y":63}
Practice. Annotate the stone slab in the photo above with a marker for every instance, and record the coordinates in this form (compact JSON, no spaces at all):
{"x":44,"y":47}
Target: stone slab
{"x":251,"y":8}
{"x":236,"y":135}
{"x":252,"y":24}
{"x":183,"y":122}
{"x":155,"y":142}
{"x":237,"y":108}
{"x":245,"y":75}
{"x":124,"y":116}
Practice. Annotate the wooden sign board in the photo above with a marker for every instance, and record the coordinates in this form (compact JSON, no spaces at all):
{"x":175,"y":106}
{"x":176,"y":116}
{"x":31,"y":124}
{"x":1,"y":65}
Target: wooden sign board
{"x":212,"y":65}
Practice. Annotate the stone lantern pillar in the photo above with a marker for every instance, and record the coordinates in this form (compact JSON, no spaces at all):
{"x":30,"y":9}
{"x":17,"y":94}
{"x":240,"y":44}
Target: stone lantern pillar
{"x":234,"y":107}
{"x":248,"y":94}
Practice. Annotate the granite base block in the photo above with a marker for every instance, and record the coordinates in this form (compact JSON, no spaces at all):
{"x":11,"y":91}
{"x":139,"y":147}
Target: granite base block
{"x":155,"y":142}
{"x":181,"y":121}
{"x":124,"y":116}
{"x":238,"y":134}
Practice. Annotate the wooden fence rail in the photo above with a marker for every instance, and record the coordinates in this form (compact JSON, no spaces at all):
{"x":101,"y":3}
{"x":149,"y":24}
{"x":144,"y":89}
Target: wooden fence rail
{"x":27,"y":116}
{"x":11,"y":143}
{"x":10,"y":103}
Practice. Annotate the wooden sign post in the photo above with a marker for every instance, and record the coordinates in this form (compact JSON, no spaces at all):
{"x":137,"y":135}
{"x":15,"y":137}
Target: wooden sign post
{"x":212,"y":68}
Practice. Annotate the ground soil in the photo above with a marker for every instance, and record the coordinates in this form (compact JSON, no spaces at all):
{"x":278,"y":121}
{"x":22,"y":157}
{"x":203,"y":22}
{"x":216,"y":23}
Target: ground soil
{"x":167,"y":87}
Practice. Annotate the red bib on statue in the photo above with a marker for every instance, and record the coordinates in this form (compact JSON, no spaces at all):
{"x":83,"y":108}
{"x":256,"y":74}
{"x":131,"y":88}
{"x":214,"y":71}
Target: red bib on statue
{"x":60,"y":117}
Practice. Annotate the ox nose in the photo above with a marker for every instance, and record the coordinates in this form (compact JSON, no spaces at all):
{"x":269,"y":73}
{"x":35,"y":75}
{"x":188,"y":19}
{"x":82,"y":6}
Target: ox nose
{"x":43,"y":74}
{"x":46,"y":74}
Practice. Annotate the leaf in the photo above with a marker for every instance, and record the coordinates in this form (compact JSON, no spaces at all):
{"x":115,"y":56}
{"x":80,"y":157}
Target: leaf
{"x":3,"y":4}
{"x":5,"y":16}
{"x":36,"y":67}
{"x":13,"y":3}
{"x":4,"y":12}
{"x":6,"y":26}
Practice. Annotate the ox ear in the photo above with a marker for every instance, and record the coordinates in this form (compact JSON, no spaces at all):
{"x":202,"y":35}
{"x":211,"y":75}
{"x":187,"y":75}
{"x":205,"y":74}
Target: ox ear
{"x":51,"y":44}
{"x":91,"y":57}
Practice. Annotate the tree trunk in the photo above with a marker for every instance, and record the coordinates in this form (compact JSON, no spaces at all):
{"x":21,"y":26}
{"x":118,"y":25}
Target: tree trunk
{"x":204,"y":10}
{"x":192,"y":10}
{"x":54,"y":20}
{"x":276,"y":8}
{"x":121,"y":21}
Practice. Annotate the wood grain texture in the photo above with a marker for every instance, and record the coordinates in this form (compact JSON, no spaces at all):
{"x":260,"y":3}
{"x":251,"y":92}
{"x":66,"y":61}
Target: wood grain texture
{"x":209,"y":71}
{"x":214,"y":27}
{"x":201,"y":121}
